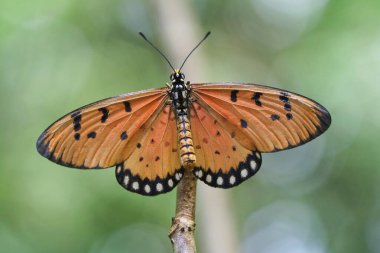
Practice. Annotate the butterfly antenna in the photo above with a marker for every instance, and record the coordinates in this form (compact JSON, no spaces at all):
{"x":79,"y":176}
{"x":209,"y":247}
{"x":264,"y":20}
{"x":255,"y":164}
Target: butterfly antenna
{"x":200,"y":42}
{"x":158,"y":50}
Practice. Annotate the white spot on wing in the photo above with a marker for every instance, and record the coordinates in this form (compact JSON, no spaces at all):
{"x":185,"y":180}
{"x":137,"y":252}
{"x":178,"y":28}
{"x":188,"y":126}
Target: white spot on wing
{"x":135,"y":186}
{"x":208,"y":178}
{"x":159,"y":187}
{"x":118,"y":169}
{"x":253,"y":164}
{"x":170,"y":183}
{"x":244,"y":173}
{"x":232,"y":180}
{"x":147,"y":188}
{"x":126,"y":180}
{"x":258,"y":155}
{"x":219,"y":181}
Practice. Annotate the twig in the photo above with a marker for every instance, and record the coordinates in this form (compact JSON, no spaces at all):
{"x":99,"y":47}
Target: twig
{"x":183,"y":224}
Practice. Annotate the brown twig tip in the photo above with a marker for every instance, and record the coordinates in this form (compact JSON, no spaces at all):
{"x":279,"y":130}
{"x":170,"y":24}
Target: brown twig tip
{"x":182,"y":230}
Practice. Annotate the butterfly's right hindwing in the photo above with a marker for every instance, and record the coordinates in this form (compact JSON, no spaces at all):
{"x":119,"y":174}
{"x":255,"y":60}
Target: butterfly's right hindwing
{"x":154,"y":166}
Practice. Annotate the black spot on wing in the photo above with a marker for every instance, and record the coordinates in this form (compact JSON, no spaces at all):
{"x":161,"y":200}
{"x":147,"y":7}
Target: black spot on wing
{"x":77,"y":118}
{"x":289,"y":116}
{"x":127,"y":106}
{"x":243,"y":123}
{"x":124,"y":135}
{"x":105,"y":113}
{"x":284,"y":97}
{"x":287,"y":107}
{"x":75,"y":114}
{"x":91,"y":135}
{"x":256,"y":97}
{"x":77,"y":127}
{"x":77,"y":136}
{"x":275,"y":117}
{"x":234,"y":95}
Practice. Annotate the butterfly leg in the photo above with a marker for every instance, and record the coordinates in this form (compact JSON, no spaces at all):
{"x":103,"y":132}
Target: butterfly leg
{"x":188,"y":85}
{"x":169,"y":85}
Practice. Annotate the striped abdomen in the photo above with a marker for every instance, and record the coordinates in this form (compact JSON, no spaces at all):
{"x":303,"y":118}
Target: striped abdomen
{"x":185,"y":141}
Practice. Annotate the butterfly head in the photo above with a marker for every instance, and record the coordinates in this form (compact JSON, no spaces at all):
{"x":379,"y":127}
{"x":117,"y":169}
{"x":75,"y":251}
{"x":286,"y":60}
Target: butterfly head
{"x":177,"y":77}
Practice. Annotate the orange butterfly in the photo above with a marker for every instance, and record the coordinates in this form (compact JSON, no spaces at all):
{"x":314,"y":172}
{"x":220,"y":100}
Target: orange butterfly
{"x":217,"y":130}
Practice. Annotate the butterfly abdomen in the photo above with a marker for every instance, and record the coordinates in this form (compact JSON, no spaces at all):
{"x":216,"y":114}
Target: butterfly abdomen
{"x":180,"y":94}
{"x":185,"y":141}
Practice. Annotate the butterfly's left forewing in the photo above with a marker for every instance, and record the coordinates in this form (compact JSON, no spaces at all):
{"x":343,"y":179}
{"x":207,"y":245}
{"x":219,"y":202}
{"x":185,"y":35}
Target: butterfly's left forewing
{"x":261,"y":118}
{"x":102,"y":134}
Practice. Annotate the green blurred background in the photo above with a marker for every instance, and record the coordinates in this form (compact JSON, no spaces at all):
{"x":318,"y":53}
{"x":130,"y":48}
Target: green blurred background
{"x":56,"y":56}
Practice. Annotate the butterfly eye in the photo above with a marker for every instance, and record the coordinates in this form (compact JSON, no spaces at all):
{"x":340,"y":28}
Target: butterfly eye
{"x":182,"y":76}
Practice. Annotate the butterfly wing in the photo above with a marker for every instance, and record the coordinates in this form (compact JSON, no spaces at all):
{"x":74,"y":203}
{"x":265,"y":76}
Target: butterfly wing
{"x":262,"y":118}
{"x":221,"y":160}
{"x":154,"y":166}
{"x":102,"y":134}
{"x":242,"y":120}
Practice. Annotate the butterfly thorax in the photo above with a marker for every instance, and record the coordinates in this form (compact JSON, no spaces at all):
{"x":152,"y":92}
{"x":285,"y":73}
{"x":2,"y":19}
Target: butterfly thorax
{"x":180,"y":95}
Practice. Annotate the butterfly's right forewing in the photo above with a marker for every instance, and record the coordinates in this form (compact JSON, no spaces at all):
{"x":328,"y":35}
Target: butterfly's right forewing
{"x":102,"y":134}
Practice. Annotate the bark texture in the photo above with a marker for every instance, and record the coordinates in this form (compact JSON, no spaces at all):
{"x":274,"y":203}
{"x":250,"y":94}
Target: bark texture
{"x":183,"y":224}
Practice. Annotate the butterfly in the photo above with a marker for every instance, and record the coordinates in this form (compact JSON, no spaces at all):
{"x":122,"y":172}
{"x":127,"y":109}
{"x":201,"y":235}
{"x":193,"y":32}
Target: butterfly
{"x":216,"y":130}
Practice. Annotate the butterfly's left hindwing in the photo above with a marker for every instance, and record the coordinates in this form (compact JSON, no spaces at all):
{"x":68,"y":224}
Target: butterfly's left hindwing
{"x":221,"y":160}
{"x":102,"y":134}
